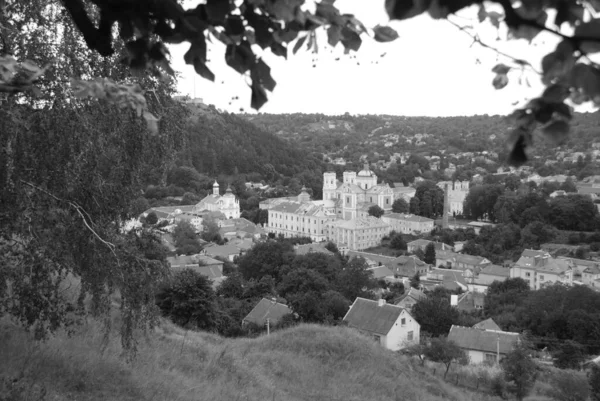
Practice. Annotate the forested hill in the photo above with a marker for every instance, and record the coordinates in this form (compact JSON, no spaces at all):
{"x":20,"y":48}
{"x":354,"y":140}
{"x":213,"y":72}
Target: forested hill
{"x":222,"y":143}
{"x":379,"y":136}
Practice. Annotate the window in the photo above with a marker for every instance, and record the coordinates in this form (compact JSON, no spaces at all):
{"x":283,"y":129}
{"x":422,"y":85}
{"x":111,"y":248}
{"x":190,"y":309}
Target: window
{"x":541,"y":278}
{"x":527,"y":274}
{"x":403,"y":322}
{"x":387,"y":201}
{"x":490,"y":358}
{"x":409,"y":336}
{"x":377,"y":339}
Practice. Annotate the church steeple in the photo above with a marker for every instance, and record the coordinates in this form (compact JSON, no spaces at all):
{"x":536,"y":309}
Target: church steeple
{"x":216,"y":188}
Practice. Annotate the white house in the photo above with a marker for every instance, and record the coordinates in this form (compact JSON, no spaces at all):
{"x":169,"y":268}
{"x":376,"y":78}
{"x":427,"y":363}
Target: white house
{"x":391,"y":326}
{"x":483,"y":346}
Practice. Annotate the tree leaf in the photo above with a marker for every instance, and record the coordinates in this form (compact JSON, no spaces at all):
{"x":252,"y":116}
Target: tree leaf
{"x":385,"y":34}
{"x":202,"y":70}
{"x":500,"y":81}
{"x":217,"y":10}
{"x":482,"y":13}
{"x":557,"y":131}
{"x":556,"y":93}
{"x":334,"y":34}
{"x":517,"y":156}
{"x":278,"y":49}
{"x":259,"y":96}
{"x":151,"y":122}
{"x":501,"y":69}
{"x":589,"y":29}
{"x":240,"y":58}
{"x":262,"y":72}
{"x":298,"y":44}
{"x":350,"y":39}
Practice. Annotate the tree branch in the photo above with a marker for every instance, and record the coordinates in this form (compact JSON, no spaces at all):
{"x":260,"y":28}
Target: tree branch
{"x":78,"y":209}
{"x":476,"y":39}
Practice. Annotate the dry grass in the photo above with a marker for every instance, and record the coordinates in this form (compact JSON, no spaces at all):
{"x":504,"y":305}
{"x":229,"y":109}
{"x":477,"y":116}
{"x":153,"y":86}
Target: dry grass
{"x":307,"y":362}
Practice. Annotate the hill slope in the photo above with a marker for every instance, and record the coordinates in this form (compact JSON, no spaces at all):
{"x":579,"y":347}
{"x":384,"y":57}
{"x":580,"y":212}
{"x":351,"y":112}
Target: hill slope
{"x":303,"y":363}
{"x":222,"y":143}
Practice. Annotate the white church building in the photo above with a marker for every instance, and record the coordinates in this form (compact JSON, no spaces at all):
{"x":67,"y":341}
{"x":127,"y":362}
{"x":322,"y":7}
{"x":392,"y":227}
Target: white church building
{"x":227,"y":204}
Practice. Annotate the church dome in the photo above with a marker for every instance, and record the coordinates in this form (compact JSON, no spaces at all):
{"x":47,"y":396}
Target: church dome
{"x":366,"y":172}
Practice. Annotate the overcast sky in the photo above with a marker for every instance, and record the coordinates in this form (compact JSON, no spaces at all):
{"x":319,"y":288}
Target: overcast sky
{"x":431,"y":70}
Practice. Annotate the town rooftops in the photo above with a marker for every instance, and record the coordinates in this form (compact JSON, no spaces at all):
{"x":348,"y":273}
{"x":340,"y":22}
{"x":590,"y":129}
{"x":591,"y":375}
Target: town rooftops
{"x":267,"y":309}
{"x":495,"y":270}
{"x":487,"y":324}
{"x":580,"y":262}
{"x":483,"y":340}
{"x":447,"y":275}
{"x":542,"y":262}
{"x":592,"y":270}
{"x":371,"y":258}
{"x":408,"y":217}
{"x":461,"y":258}
{"x":182,"y":261}
{"x":222,"y":250}
{"x":373,"y":316}
{"x":412,"y":293}
{"x":422,"y":243}
{"x":381,"y":272}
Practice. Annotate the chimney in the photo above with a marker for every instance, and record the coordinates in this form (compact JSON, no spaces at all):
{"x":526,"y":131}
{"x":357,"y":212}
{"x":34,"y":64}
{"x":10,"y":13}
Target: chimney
{"x":381,"y":302}
{"x":453,"y":300}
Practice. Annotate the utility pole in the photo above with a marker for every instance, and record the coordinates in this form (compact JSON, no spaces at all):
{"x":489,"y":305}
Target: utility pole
{"x":498,"y":348}
{"x":268,"y":327}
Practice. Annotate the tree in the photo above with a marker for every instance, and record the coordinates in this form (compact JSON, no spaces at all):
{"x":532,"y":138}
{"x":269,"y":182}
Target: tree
{"x":445,"y":351}
{"x":331,"y":247}
{"x":400,"y":206}
{"x":570,"y":386}
{"x":186,"y":241}
{"x":429,"y":256}
{"x":355,"y":280}
{"x":415,"y":205}
{"x":189,"y":300}
{"x":266,"y":258}
{"x":152,"y":218}
{"x":512,"y":182}
{"x":376,"y":211}
{"x":569,"y":355}
{"x":594,"y":380}
{"x":210,"y":230}
{"x":521,"y":369}
{"x":435,"y":314}
{"x":139,"y":206}
{"x":397,"y":242}
{"x":415,"y":281}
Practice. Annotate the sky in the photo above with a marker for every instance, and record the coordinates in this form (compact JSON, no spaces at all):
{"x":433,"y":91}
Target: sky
{"x":431,"y":70}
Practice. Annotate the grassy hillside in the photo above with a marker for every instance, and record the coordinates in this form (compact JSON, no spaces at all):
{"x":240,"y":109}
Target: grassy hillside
{"x":303,"y":363}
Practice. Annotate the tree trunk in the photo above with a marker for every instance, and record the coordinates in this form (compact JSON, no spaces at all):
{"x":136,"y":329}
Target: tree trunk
{"x":447,"y":369}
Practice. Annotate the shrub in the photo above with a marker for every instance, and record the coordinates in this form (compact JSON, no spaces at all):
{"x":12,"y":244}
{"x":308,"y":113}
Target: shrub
{"x":498,"y":386}
{"x":570,"y":386}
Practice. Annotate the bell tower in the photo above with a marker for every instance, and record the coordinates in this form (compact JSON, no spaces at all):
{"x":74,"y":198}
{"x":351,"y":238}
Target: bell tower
{"x":329,"y":185}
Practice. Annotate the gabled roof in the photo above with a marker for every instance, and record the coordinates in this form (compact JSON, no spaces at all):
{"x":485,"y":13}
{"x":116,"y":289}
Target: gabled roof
{"x":222,"y":250}
{"x":408,"y":217}
{"x":592,"y":270}
{"x":212,"y":272}
{"x":470,"y":301}
{"x":495,"y":270}
{"x":267,"y":309}
{"x":487,"y":324}
{"x":407,"y":266}
{"x":373,"y":257}
{"x":381,"y":272}
{"x":311,"y":248}
{"x":448,"y":275}
{"x":483,"y":340}
{"x":412,"y":293}
{"x":365,"y":314}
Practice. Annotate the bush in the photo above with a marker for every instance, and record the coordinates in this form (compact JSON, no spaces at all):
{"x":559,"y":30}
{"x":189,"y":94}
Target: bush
{"x":570,"y":386}
{"x":498,"y":386}
{"x":595,"y":246}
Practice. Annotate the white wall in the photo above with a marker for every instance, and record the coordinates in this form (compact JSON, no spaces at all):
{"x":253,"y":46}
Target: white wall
{"x":397,"y":336}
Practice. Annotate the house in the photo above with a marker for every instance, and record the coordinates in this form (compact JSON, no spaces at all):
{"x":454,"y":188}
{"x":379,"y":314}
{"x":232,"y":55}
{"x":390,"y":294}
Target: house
{"x":579,"y":265}
{"x":490,"y":273}
{"x":487,"y":324}
{"x":402,"y":192}
{"x":373,"y":259}
{"x":411,"y":297}
{"x":460,"y":261}
{"x":478,"y":225}
{"x":591,"y":275}
{"x":223,"y":251}
{"x":483,"y":346}
{"x":266,"y":310}
{"x":240,"y":228}
{"x":422,"y":243}
{"x":447,"y":278}
{"x":227,"y":204}
{"x":408,"y":266}
{"x":408,"y":223}
{"x":202,"y":264}
{"x":391,"y":326}
{"x":539,"y":269}
{"x":470,"y":301}
{"x":357,"y":234}
{"x":381,"y":272}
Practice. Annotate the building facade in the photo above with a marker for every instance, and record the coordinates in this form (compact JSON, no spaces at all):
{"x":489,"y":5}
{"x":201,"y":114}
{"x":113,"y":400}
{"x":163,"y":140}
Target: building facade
{"x":356,"y":234}
{"x":457,"y":193}
{"x":227,"y":204}
{"x":300,"y":219}
{"x":408,"y":223}
{"x":539,"y":269}
{"x":356,"y":192}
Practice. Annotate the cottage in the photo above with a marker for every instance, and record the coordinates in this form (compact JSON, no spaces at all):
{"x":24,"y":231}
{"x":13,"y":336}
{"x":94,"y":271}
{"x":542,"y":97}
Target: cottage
{"x":410,"y":298}
{"x":470,"y":301}
{"x":459,"y":261}
{"x":202,"y":264}
{"x":266,"y":310}
{"x":491,"y":273}
{"x":224,"y":251}
{"x":408,"y":266}
{"x":422,"y":243}
{"x":483,"y":346}
{"x":591,"y":275}
{"x":391,"y":326}
{"x":447,"y":278}
{"x":579,"y":265}
{"x":381,"y":272}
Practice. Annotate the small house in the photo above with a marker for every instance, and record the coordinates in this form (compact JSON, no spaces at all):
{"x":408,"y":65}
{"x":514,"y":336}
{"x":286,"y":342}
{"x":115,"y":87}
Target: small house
{"x":391,"y":326}
{"x":483,"y":346}
{"x":266,"y":311}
